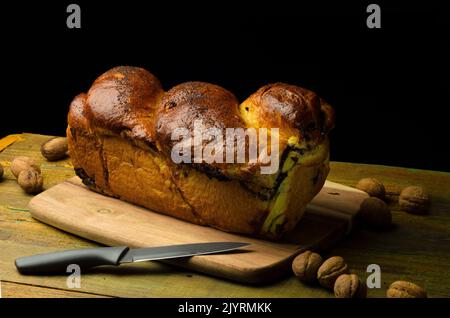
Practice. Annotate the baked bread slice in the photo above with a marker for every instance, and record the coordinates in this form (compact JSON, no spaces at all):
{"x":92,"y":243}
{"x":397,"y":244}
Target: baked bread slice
{"x":120,"y":142}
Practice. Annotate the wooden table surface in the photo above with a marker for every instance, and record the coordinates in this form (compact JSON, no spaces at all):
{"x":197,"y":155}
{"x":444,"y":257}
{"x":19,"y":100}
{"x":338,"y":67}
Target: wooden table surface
{"x":416,"y":249}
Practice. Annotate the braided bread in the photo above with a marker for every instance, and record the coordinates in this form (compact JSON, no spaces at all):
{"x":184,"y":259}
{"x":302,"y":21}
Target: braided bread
{"x":120,"y":136}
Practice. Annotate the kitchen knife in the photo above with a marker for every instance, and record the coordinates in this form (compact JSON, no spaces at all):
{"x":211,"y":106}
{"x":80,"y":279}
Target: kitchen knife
{"x":57,"y":262}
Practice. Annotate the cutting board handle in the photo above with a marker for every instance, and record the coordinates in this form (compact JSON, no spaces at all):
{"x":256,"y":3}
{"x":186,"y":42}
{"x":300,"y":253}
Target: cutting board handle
{"x":337,"y":201}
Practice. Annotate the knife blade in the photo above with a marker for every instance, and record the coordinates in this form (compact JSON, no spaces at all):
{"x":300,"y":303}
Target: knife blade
{"x":57,"y":262}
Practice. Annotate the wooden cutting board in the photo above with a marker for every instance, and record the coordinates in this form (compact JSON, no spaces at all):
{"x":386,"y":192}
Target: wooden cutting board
{"x":71,"y":207}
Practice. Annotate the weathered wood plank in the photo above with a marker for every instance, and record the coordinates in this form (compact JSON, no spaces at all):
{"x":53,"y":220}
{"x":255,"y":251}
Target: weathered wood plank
{"x":416,"y":249}
{"x":17,"y":290}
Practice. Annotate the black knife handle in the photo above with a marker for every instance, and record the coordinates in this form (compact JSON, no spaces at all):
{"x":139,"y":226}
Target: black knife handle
{"x":57,"y":262}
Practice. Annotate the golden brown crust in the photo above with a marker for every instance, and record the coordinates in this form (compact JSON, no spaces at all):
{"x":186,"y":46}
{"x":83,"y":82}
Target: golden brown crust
{"x":182,"y":105}
{"x":124,"y":101}
{"x":119,"y":137}
{"x":294,"y":110}
{"x":77,"y":112}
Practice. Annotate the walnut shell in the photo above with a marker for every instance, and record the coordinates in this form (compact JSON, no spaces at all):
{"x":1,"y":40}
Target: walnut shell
{"x":349,"y":286}
{"x":55,"y":148}
{"x":30,"y":180}
{"x":22,"y":163}
{"x":373,"y":187}
{"x":306,"y":265}
{"x":404,"y":289}
{"x":330,"y":270}
{"x":376,"y":213}
{"x":1,"y":171}
{"x":414,"y":200}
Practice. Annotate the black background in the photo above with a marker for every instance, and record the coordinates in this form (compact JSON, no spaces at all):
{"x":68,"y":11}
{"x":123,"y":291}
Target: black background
{"x":389,"y":86}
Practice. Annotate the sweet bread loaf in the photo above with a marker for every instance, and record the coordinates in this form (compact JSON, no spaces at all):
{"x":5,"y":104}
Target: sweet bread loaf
{"x":121,"y":143}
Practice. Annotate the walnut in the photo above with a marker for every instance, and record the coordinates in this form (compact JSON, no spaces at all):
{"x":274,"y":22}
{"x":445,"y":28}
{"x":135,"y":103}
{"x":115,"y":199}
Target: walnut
{"x":330,"y":270}
{"x":21,"y":163}
{"x":414,"y":200}
{"x":30,"y":180}
{"x":306,"y":265}
{"x":349,"y":286}
{"x":404,"y":289}
{"x":376,"y":213}
{"x":372,"y":186}
{"x":55,"y":148}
